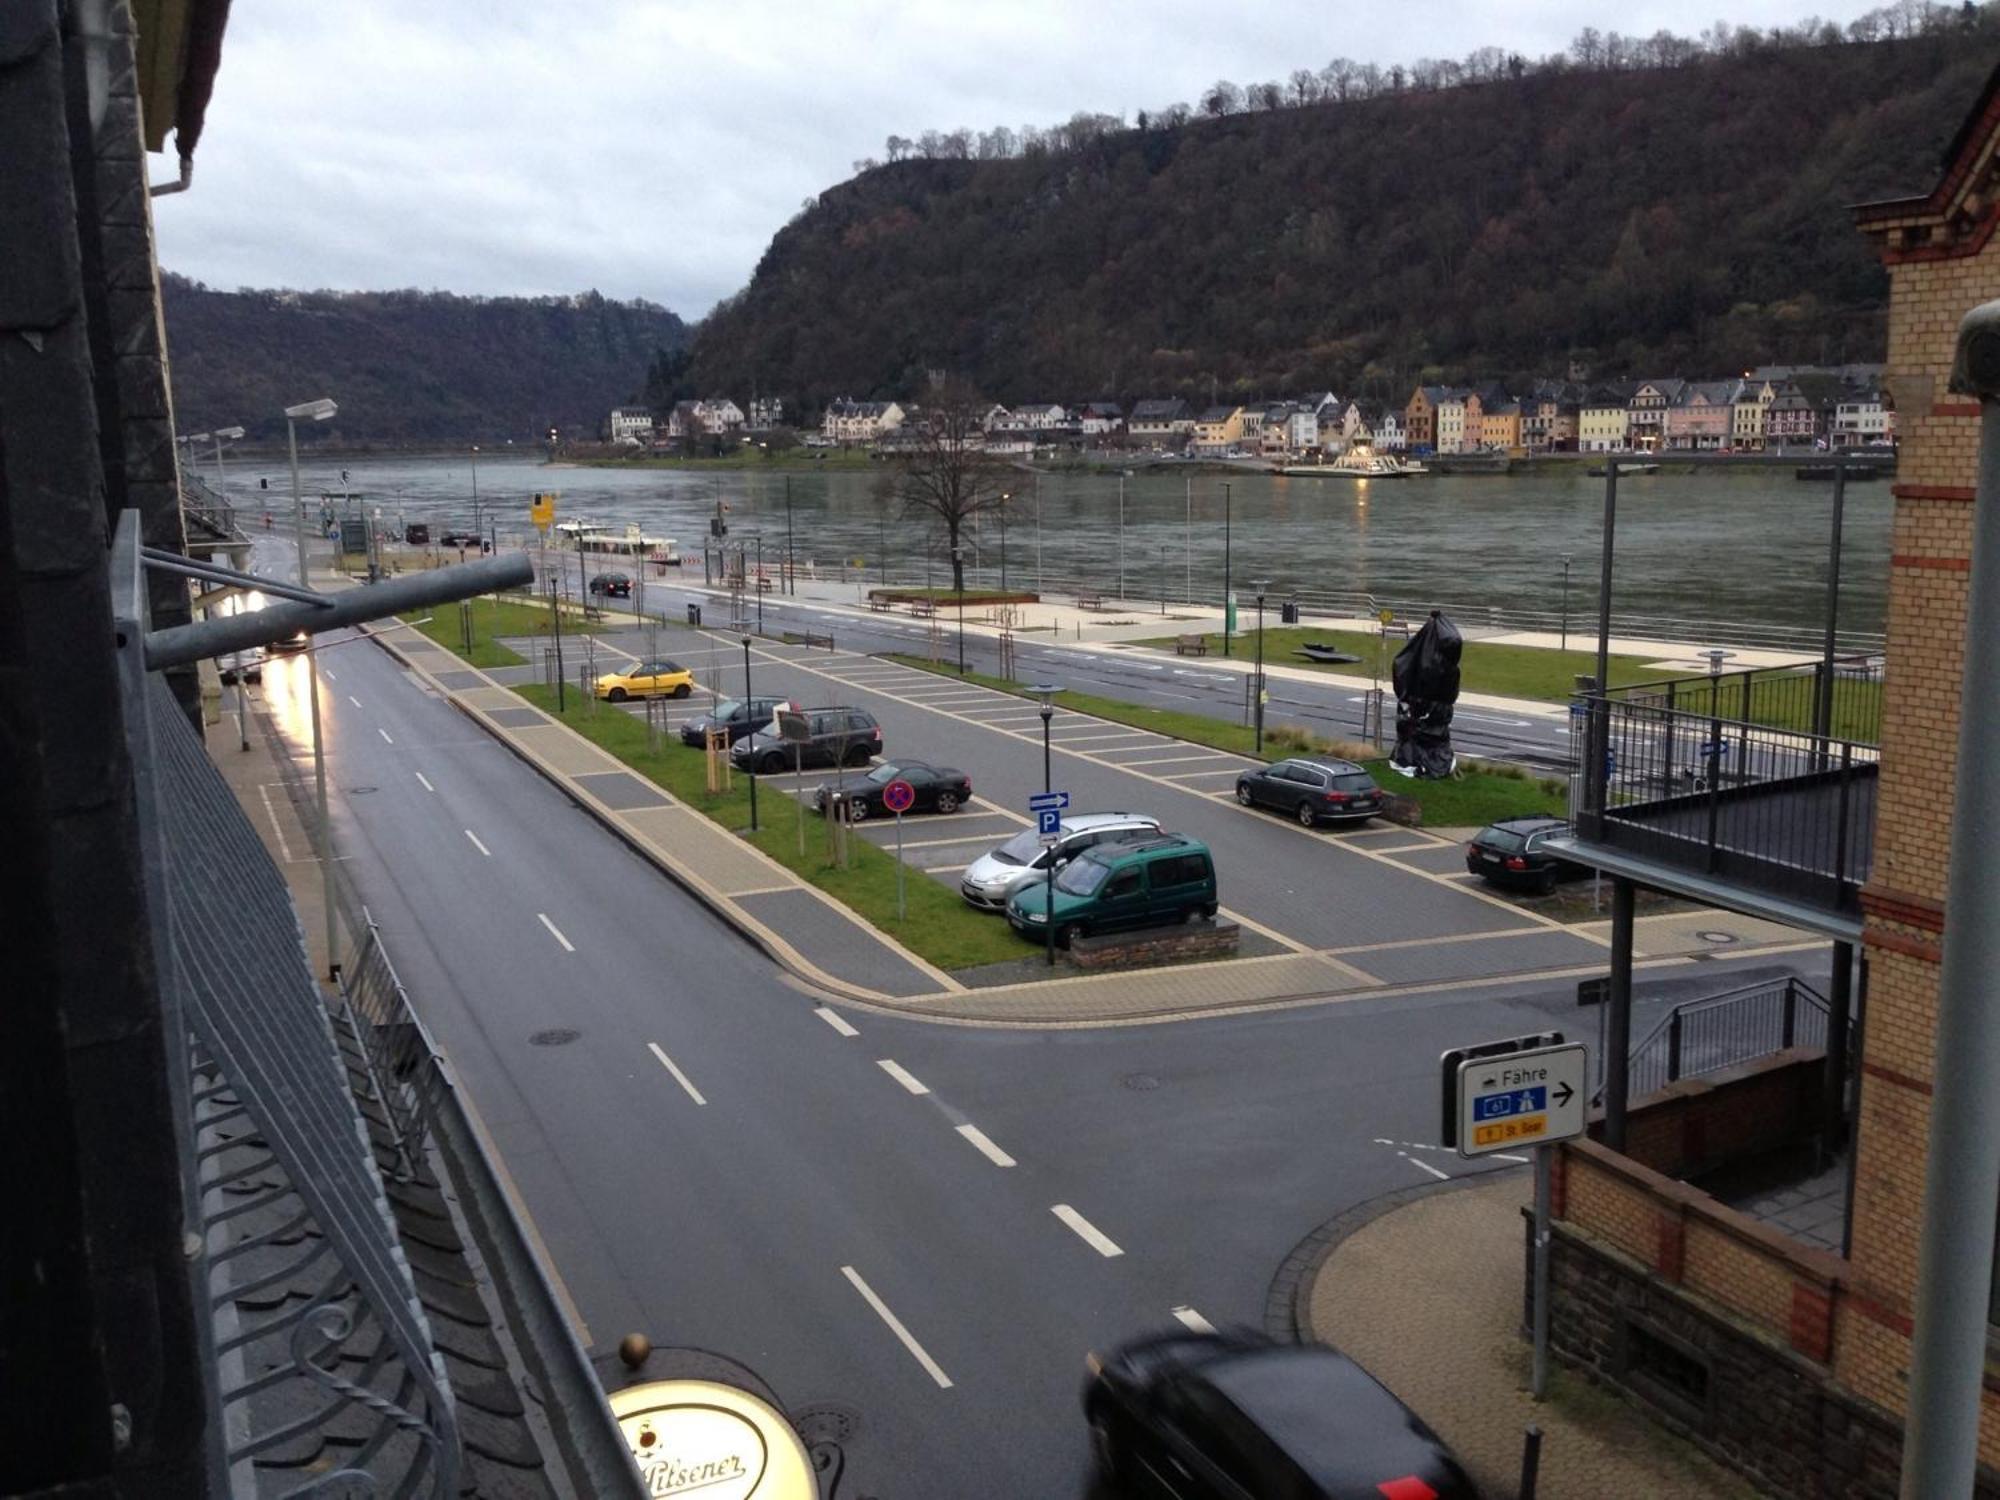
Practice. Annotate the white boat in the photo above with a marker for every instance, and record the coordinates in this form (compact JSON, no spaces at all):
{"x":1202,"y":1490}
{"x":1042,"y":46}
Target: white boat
{"x":1359,"y":462}
{"x":594,"y":536}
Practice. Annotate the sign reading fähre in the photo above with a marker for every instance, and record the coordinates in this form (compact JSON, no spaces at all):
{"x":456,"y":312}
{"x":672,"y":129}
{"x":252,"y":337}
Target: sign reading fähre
{"x":701,"y":1436}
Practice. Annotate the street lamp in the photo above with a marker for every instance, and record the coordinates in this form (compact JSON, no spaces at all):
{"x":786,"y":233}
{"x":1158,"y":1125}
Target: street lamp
{"x":758,"y":538}
{"x":475,"y":491}
{"x":1121,"y":538}
{"x":315,"y":411}
{"x":750,"y":762}
{"x":1260,"y":585}
{"x":958,"y":577}
{"x":1046,"y":691}
{"x":1228,"y":610}
{"x":1565,"y":609}
{"x":1004,"y":498}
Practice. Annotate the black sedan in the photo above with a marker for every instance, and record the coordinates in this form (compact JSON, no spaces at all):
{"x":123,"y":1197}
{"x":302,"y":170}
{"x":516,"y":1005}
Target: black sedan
{"x":1313,"y":790}
{"x":942,"y":789}
{"x":1515,"y":853}
{"x":1234,"y":1416}
{"x":736,"y":717}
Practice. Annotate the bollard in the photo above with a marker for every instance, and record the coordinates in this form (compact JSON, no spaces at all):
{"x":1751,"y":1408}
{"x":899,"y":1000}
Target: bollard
{"x":1531,"y":1460}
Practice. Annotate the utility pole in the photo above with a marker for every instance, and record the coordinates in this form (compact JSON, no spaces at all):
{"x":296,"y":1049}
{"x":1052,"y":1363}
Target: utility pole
{"x":1228,"y":600}
{"x":791,"y":568}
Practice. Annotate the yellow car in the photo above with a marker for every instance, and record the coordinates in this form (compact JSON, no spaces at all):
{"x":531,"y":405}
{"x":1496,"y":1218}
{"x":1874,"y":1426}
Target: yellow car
{"x":647,"y":679}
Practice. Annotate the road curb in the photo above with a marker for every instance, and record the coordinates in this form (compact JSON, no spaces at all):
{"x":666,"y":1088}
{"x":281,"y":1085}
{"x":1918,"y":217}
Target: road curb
{"x":820,"y":983}
{"x":1288,"y":1304}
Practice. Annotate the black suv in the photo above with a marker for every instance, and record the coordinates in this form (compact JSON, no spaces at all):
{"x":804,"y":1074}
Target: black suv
{"x":840,"y":736}
{"x":737,"y":716}
{"x":611,"y":586}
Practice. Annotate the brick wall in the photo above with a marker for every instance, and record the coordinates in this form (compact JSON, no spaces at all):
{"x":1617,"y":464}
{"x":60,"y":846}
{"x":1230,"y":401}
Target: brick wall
{"x":1698,"y":1122}
{"x":1158,"y":945}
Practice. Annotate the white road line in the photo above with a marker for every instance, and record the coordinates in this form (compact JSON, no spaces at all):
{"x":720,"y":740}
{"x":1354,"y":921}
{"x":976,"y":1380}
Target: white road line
{"x":901,"y":1074}
{"x":568,"y":946}
{"x":679,"y":1077}
{"x":1088,"y":1232}
{"x":896,"y":1327}
{"x":1192,"y":1320}
{"x":426,"y":781}
{"x":276,"y":827}
{"x":328,"y":675}
{"x":385,"y":736}
{"x":1425,"y":1166}
{"x":986,"y":1147}
{"x":481,"y":847}
{"x":354,"y":700}
{"x":833,"y":1019}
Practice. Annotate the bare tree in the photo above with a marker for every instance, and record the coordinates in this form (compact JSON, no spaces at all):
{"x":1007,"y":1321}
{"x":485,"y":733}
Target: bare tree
{"x":945,"y":474}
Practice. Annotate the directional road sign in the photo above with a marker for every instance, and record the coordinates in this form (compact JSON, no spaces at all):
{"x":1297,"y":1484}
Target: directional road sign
{"x":1528,"y":1098}
{"x":1048,"y":822}
{"x":1046,"y":801}
{"x":899,"y":796}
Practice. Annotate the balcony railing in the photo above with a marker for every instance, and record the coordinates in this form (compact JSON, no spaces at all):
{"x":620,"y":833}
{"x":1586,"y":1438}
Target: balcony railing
{"x":1723,"y":1031}
{"x":1764,"y":779}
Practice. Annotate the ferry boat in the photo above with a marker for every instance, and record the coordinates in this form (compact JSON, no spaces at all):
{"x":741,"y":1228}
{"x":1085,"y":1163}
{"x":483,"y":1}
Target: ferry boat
{"x":594,"y":536}
{"x":1359,"y":462}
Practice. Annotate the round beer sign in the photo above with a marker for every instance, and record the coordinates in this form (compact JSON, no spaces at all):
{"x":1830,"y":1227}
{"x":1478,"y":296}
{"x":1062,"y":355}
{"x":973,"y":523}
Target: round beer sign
{"x":702,"y":1437}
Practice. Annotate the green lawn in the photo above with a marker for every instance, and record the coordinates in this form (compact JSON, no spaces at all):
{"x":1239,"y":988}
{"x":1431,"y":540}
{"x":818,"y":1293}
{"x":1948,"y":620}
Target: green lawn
{"x":1472,"y":798}
{"x":1509,"y":671}
{"x":492,"y":618}
{"x":940,"y":927}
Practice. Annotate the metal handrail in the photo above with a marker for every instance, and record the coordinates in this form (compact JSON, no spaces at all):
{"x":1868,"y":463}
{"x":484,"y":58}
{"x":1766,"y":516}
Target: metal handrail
{"x":1723,"y":1031}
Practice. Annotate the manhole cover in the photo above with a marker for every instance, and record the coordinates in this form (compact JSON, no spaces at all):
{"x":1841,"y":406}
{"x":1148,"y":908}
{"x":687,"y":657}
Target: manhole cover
{"x":1141,"y":1081}
{"x":827,"y":1422}
{"x":1716,"y":937}
{"x":359,"y":791}
{"x":555,"y":1036}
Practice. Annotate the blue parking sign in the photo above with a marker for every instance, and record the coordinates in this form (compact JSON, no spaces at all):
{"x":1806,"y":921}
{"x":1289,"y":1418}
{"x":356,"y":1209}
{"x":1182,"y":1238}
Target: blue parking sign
{"x":1048,"y":821}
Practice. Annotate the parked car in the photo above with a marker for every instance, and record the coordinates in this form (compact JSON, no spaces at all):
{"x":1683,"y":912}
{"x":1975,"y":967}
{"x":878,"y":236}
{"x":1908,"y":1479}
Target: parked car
{"x":1514,"y":852}
{"x":611,"y":586}
{"x":1146,"y":883}
{"x":840,"y":736}
{"x":460,"y":539}
{"x":735,"y":716}
{"x":942,"y":789}
{"x":417,"y":535}
{"x":1233,"y":1416}
{"x":1312,"y":789}
{"x":659,"y":678}
{"x":991,"y":878}
{"x":249,"y":665}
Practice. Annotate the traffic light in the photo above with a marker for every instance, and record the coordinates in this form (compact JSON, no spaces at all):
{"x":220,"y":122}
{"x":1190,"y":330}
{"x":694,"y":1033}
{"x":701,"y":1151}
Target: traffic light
{"x":717,"y":526}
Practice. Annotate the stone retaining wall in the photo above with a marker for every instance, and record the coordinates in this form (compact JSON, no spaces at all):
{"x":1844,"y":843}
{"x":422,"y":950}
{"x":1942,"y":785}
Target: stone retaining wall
{"x":1155,"y":946}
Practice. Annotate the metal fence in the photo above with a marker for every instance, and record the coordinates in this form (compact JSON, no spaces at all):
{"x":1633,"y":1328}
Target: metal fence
{"x":1839,"y":700}
{"x":397,"y":1061}
{"x":1724,"y":1031}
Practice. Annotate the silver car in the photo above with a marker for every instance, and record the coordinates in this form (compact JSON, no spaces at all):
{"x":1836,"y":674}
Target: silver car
{"x":990,"y":879}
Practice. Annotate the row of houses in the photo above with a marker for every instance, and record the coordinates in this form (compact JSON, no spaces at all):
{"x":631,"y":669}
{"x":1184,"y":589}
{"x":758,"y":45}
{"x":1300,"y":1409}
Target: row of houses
{"x":720,"y":417}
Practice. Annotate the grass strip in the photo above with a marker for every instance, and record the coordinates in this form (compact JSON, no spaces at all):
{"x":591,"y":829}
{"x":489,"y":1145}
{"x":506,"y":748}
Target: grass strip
{"x":1476,"y":796}
{"x":491,"y":618}
{"x":939,"y":926}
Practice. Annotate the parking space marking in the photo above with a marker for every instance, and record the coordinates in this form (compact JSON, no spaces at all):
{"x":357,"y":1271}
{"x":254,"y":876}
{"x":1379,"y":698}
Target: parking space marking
{"x":679,"y":1077}
{"x":556,"y":932}
{"x":1169,"y":760}
{"x":1191,"y":1320}
{"x":896,"y":1327}
{"x":943,"y":869}
{"x":1190,"y":775}
{"x":277,"y":828}
{"x":987,"y":1149}
{"x":901,"y":1074}
{"x":1086,"y":1231}
{"x":834,"y":1019}
{"x":1250,"y":924}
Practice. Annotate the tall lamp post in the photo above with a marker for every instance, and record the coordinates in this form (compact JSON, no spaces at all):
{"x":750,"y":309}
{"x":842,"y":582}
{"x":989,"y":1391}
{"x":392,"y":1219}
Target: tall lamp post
{"x":234,"y":434}
{"x":758,"y":585}
{"x":791,"y":568}
{"x":1565,"y":610}
{"x":750,"y":762}
{"x":1260,"y":585}
{"x":958,"y":575}
{"x":1046,"y":691}
{"x":315,"y":411}
{"x":475,"y":491}
{"x":1004,"y":498}
{"x":1228,"y":611}
{"x":1121,"y":538}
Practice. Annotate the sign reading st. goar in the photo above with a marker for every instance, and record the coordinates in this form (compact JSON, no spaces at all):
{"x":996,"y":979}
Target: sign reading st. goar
{"x":1529,"y":1091}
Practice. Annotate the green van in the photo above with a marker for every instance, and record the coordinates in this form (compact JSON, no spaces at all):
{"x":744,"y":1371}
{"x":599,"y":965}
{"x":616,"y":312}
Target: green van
{"x":1115,"y":886}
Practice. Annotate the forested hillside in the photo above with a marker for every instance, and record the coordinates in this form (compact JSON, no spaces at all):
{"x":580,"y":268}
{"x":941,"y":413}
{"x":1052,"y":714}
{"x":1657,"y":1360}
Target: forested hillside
{"x":1685,"y":214}
{"x":409,"y":367}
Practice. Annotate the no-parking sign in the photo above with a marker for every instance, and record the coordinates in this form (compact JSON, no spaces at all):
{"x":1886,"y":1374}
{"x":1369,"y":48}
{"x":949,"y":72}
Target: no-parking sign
{"x":899,"y":796}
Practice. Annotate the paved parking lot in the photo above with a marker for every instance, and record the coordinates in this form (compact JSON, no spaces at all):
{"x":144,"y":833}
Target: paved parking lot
{"x":1341,"y":897}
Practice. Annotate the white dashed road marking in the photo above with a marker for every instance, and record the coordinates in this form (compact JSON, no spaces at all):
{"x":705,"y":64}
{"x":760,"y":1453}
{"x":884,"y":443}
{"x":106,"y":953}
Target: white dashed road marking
{"x":901,"y":1074}
{"x":1193,"y":1321}
{"x":1088,"y":1232}
{"x":556,"y":932}
{"x":896,"y":1327}
{"x":479,"y":846}
{"x":679,"y":1077}
{"x":833,"y":1019}
{"x":426,"y":781}
{"x":986,"y":1147}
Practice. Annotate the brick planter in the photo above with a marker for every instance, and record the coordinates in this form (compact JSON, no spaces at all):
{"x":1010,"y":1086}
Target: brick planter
{"x":1154,"y":946}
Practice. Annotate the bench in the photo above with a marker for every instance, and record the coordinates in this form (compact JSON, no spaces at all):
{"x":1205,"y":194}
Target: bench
{"x":808,"y":639}
{"x":1090,"y":601}
{"x":1190,"y":645}
{"x":879,"y":605}
{"x":923,"y":609}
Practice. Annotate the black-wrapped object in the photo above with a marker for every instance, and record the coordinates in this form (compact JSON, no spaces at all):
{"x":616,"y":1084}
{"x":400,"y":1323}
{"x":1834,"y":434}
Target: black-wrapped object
{"x":1426,"y":681}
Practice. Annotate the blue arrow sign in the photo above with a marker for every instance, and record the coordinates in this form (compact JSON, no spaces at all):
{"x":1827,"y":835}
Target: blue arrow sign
{"x":1048,"y":821}
{"x":1712,"y":748}
{"x":1043,"y":801}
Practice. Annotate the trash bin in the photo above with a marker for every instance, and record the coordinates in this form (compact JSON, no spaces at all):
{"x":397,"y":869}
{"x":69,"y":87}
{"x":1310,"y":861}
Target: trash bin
{"x":694,"y":614}
{"x":1289,"y":612}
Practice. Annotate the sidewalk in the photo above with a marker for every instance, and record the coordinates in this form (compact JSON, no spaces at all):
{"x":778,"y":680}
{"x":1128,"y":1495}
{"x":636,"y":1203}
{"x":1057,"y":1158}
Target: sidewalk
{"x":1428,"y":1296}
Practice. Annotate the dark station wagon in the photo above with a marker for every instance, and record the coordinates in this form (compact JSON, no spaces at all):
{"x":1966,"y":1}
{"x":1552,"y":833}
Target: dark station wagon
{"x":1514,"y":852}
{"x":1312,"y":790}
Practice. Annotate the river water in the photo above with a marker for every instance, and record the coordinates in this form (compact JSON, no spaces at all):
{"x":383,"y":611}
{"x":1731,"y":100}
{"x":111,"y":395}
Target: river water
{"x":1720,"y":553}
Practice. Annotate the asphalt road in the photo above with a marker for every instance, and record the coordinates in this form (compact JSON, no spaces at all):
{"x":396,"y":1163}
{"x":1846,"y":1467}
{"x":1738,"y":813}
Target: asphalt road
{"x":717,"y":1160}
{"x":1334,"y":708}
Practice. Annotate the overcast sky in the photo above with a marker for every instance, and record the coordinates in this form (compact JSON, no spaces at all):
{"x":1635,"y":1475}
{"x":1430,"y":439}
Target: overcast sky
{"x":650,"y":148}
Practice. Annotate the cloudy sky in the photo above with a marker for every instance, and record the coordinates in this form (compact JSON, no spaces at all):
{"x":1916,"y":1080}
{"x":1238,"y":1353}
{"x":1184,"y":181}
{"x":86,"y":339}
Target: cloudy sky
{"x":650,"y":148}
